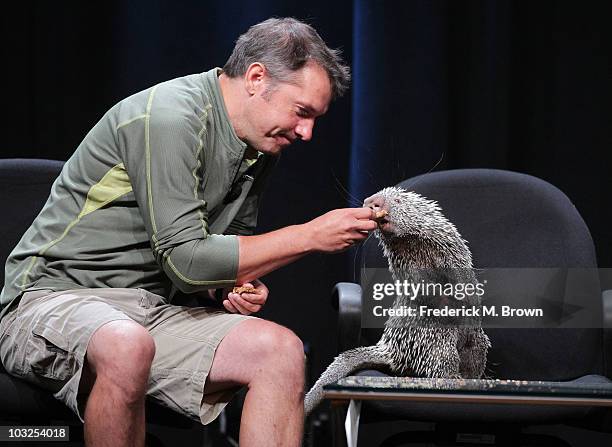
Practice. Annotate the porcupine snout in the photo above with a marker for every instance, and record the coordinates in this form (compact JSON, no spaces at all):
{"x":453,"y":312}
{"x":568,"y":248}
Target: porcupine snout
{"x":376,"y":202}
{"x":379,"y":204}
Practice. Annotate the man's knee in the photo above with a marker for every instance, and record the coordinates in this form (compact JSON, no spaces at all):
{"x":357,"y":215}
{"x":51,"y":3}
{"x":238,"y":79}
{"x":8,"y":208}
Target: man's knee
{"x":279,"y":348}
{"x":121,"y":352}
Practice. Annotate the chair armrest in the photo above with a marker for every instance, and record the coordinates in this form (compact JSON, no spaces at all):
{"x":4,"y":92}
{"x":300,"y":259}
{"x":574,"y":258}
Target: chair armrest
{"x":346,"y":298}
{"x":606,"y":297}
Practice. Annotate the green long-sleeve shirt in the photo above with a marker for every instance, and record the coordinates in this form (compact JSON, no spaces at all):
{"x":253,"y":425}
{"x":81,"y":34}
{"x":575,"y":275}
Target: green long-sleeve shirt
{"x":140,"y":204}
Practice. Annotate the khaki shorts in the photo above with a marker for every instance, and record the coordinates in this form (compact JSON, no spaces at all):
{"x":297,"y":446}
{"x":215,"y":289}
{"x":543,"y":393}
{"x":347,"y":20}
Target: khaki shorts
{"x":44,"y":339}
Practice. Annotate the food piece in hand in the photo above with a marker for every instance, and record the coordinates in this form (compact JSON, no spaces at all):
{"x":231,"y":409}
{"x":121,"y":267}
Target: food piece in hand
{"x":244,"y":290}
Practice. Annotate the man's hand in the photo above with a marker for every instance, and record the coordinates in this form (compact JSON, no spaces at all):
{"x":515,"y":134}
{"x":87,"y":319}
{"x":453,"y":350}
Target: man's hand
{"x":246,"y":303}
{"x":338,"y":229}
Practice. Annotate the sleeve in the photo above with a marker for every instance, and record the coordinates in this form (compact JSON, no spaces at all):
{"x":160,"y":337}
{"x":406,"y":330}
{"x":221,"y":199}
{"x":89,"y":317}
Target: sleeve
{"x":162,"y":155}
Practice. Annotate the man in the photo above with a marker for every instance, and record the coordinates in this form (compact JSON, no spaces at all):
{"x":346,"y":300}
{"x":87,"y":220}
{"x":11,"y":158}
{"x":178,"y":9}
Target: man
{"x":160,"y":199}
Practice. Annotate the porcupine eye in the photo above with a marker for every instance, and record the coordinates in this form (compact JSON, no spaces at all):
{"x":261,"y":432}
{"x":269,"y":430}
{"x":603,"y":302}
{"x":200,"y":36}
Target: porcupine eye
{"x":398,"y":201}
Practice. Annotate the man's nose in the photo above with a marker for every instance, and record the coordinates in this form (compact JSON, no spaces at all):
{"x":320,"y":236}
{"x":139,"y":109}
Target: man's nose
{"x":304,"y":129}
{"x":375,"y":202}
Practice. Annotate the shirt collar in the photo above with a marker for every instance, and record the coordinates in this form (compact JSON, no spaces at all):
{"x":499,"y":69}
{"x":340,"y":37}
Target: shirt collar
{"x":236,"y":145}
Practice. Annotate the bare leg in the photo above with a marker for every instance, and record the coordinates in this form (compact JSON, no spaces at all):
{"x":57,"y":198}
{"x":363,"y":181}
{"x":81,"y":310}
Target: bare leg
{"x":269,"y":360}
{"x":119,"y":357}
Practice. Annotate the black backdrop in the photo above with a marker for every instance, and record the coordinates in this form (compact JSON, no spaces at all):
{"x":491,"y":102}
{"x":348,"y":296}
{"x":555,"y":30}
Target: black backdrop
{"x":515,"y":85}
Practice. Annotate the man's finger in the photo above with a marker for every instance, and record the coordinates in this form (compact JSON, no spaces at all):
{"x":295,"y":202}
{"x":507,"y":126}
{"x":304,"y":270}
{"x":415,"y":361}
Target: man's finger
{"x":364,"y":213}
{"x":230,"y":307}
{"x":255,"y":298}
{"x":234,"y":297}
{"x":366,"y":225}
{"x":242,"y":305}
{"x":358,"y":236}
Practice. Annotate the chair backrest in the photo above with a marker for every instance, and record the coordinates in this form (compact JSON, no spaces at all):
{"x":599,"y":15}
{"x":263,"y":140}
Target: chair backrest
{"x":513,"y":220}
{"x":24,"y":188}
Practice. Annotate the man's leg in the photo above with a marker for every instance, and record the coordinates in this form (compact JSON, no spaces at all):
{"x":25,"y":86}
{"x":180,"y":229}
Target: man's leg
{"x":269,"y":360}
{"x":119,"y":357}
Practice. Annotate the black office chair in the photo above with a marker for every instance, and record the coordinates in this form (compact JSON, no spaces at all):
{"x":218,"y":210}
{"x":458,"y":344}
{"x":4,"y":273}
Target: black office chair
{"x":24,"y":188}
{"x":510,"y":220}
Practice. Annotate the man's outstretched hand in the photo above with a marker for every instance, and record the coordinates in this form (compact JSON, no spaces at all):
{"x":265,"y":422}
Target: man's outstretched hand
{"x":339,"y":229}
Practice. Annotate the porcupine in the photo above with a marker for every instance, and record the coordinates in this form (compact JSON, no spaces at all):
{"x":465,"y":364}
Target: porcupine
{"x":417,"y":241}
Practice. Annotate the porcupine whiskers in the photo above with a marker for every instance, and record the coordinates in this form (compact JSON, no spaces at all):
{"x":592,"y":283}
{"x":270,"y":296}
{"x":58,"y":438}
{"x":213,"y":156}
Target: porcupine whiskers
{"x":360,"y":249}
{"x":350,"y":198}
{"x":411,"y":186}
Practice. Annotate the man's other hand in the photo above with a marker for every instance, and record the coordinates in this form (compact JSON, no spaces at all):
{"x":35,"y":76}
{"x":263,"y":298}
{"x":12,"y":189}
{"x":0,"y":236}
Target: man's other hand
{"x":246,"y":303}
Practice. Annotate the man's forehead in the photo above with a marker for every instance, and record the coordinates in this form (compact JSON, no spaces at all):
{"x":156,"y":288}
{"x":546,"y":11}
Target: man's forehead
{"x":312,"y":88}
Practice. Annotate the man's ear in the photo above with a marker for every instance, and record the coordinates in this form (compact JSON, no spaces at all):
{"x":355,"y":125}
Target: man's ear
{"x":255,"y":78}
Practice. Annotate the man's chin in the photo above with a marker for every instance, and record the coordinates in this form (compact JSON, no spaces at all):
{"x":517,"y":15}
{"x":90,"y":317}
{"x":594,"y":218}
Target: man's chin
{"x":273,"y":148}
{"x":270,"y":150}
{"x":277,"y":150}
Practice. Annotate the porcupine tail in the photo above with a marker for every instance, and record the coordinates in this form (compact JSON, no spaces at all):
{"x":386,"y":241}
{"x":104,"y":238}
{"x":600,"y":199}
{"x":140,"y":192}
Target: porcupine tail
{"x":346,"y":363}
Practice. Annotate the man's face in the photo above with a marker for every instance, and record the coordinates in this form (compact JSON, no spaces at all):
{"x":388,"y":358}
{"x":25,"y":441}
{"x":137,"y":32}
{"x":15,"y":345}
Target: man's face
{"x":278,"y":114}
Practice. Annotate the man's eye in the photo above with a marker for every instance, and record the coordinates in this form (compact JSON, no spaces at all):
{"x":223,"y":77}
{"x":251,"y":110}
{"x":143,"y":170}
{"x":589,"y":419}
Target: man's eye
{"x":302,"y":112}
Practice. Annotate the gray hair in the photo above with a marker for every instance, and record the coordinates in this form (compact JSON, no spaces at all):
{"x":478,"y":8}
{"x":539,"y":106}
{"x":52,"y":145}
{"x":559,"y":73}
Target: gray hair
{"x":284,"y":46}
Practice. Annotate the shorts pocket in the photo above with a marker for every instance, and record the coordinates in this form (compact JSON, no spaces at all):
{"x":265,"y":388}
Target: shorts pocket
{"x":149,"y":299}
{"x":48,"y":354}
